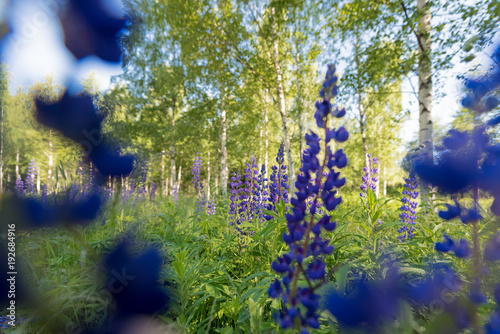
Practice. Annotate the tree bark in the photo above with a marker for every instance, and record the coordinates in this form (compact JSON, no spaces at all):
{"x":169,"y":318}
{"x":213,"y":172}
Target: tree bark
{"x":260,"y":145}
{"x":172,"y":150}
{"x":17,"y":165}
{"x":361,"y":112}
{"x":266,"y":138}
{"x":385,"y":182}
{"x":299,"y":96}
{"x":208,"y":178}
{"x":179,"y":178}
{"x":163,"y":181}
{"x":281,"y":100}
{"x":425,"y":82}
{"x":216,"y":167}
{"x":223,"y":160}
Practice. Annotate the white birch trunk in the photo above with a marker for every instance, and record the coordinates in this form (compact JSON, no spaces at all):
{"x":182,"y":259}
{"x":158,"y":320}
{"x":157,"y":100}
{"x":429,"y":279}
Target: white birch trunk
{"x":425,"y":81}
{"x":163,"y":186}
{"x":223,"y":160}
{"x":172,"y":151}
{"x":208,"y":181}
{"x":17,"y":165}
{"x":281,"y":104}
{"x":266,"y":138}
{"x":179,"y":178}
{"x":385,"y":182}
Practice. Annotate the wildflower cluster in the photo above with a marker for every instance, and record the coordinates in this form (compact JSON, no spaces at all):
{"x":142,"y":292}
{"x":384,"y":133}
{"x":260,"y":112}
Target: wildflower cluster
{"x":408,"y":213}
{"x":279,"y":184}
{"x":370,"y":178}
{"x":307,"y":246}
{"x":248,"y":196}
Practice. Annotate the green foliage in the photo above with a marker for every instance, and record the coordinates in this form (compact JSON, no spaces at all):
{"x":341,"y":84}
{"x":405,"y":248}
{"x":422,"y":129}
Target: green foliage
{"x":219,"y":281}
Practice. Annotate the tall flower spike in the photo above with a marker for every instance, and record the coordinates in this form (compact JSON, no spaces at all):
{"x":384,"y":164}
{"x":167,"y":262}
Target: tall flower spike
{"x":305,"y":225}
{"x":408,"y":208}
{"x":236,"y":184}
{"x":279,"y":184}
{"x":31,"y":177}
{"x":198,"y":186}
{"x":175,"y":196}
{"x":370,"y":178}
{"x":19,"y":186}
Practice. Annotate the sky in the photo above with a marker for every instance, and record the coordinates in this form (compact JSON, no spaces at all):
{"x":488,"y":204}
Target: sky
{"x":36,"y":50}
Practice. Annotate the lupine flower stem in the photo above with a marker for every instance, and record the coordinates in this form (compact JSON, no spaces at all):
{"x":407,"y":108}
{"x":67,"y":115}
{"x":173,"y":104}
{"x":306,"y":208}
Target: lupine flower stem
{"x":309,"y":228}
{"x":299,"y":239}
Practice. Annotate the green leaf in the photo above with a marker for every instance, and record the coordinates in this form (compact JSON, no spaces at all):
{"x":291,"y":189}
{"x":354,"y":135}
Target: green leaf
{"x":341,"y":278}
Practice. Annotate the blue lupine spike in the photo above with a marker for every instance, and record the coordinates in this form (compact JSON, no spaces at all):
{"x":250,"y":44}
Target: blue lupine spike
{"x":316,"y":187}
{"x":408,"y":216}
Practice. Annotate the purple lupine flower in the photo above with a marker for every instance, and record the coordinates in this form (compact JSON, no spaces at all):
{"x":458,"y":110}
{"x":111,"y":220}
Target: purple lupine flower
{"x":279,"y":185}
{"x":19,"y":186}
{"x":153,"y":190}
{"x":211,"y":207}
{"x":262,"y":192}
{"x":304,"y":232}
{"x":31,"y":177}
{"x":409,"y":206}
{"x":236,"y":188}
{"x":370,"y":178}
{"x":248,"y":204}
{"x":198,"y":186}
{"x":175,"y":196}
{"x":45,"y":194}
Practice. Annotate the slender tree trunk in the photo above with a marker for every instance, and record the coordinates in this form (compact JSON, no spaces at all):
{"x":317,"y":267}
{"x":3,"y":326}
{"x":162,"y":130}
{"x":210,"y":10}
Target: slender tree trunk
{"x":51,"y":161}
{"x":299,"y":96}
{"x":361,"y":112}
{"x":385,"y":182}
{"x":260,"y":146}
{"x":163,"y":185}
{"x":17,"y":165}
{"x":425,"y":81}
{"x":172,"y":151}
{"x":208,"y":178}
{"x":281,"y":100}
{"x":216,"y":167}
{"x":266,"y":138}
{"x":179,"y":177}
{"x":223,"y":160}
{"x":38,"y":176}
{"x":167,"y":183}
{"x":1,"y":154}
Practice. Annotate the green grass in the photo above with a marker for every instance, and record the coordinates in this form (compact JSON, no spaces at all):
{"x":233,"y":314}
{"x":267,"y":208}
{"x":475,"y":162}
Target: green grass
{"x":218,"y":280}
